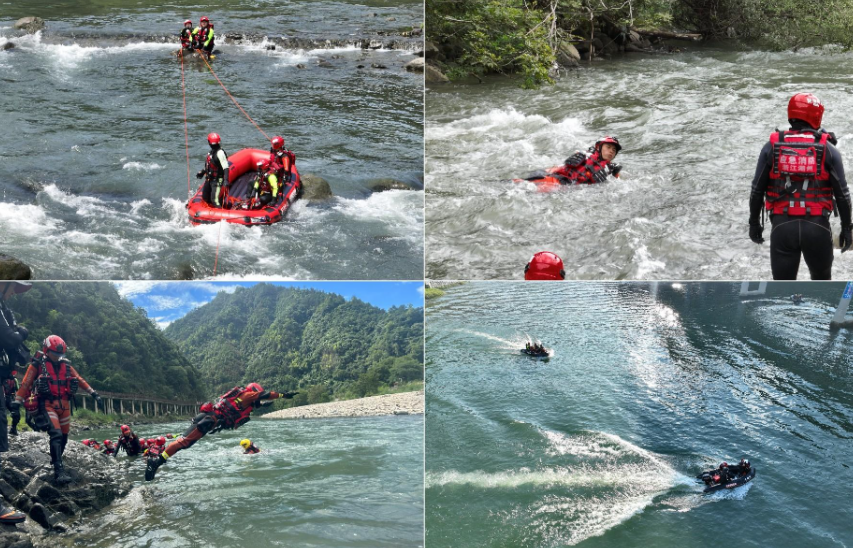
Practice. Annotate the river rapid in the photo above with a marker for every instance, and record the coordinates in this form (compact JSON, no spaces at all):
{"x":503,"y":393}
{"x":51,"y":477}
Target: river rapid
{"x":93,"y":164}
{"x":692,"y":125}
{"x":648,"y":385}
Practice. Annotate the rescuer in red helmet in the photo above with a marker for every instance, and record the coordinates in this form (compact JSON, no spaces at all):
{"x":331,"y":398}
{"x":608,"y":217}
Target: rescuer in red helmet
{"x":232,"y":410}
{"x":203,"y":37}
{"x":186,"y":36}
{"x":128,"y":441}
{"x":266,"y":185}
{"x":799,"y":173}
{"x":281,"y":159}
{"x":592,"y":166}
{"x":545,"y":266}
{"x":215,"y":171}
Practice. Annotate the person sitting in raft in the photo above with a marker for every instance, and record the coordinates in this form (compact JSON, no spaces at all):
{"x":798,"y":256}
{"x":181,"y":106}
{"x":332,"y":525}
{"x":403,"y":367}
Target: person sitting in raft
{"x":203,"y":37}
{"x":266,"y":186}
{"x":281,"y":159}
{"x":249,"y":448}
{"x":593,"y":166}
{"x":187,"y":37}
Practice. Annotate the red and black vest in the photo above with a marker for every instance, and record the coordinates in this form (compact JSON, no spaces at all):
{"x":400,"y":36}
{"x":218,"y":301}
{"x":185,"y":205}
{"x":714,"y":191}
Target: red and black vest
{"x":186,"y":37}
{"x":212,"y":166}
{"x":593,"y":170}
{"x":281,"y":160}
{"x":54,"y":383}
{"x":799,"y":179}
{"x":229,"y":411}
{"x":203,"y":33}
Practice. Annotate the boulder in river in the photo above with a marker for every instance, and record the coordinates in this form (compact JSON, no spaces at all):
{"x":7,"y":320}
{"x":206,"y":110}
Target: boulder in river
{"x":8,"y":46}
{"x":430,"y":50}
{"x":434,"y":76}
{"x":567,"y":55}
{"x":29,"y":24}
{"x":381,"y":185}
{"x":315,"y":187}
{"x":13,"y":269}
{"x":415,"y":65}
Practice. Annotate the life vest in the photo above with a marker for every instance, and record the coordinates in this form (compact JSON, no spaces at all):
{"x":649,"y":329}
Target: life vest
{"x":593,"y":170}
{"x":186,"y":37}
{"x":131,"y":444}
{"x":281,"y":160}
{"x":53,"y":384}
{"x":230,"y":412}
{"x":264,"y":186}
{"x":154,"y":451}
{"x":203,"y":34}
{"x":799,"y":180}
{"x":212,"y":167}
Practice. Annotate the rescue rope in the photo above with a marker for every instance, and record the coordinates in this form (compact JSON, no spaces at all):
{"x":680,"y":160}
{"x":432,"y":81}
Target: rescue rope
{"x":233,"y":99}
{"x":186,"y":129}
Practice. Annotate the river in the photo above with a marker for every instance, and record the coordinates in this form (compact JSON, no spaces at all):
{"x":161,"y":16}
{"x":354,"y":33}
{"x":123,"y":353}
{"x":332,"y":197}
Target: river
{"x":315,"y":483}
{"x":649,"y":384}
{"x":93,"y":165}
{"x":691,"y":124}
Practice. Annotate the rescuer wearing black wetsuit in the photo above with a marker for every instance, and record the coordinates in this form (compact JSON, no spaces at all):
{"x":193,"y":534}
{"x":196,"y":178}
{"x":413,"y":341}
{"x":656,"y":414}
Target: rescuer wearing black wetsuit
{"x":799,"y":173}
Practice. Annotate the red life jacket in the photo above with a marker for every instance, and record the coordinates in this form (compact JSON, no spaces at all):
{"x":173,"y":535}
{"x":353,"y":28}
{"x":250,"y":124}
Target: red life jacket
{"x":229,"y":411}
{"x":212,"y":167}
{"x":799,"y":180}
{"x":202,"y":34}
{"x":264,"y":186}
{"x":60,"y":384}
{"x":585,"y":173}
{"x":186,"y":37}
{"x":281,"y":160}
{"x":154,"y":451}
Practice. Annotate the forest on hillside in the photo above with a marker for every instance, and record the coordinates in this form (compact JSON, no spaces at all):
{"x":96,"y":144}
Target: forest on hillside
{"x":111,"y":343}
{"x":286,"y":338}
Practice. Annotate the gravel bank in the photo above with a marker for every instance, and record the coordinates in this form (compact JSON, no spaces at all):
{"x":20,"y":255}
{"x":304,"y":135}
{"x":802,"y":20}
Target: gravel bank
{"x":406,"y":403}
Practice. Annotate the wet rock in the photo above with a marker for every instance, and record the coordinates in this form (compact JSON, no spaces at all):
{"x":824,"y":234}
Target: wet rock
{"x":374,"y":44}
{"x":415,"y":65}
{"x":434,"y":76}
{"x":13,"y":269}
{"x":325,"y":64}
{"x":300,"y":66}
{"x":315,"y":187}
{"x":430,"y":50}
{"x":29,"y":24}
{"x":8,"y":46}
{"x":12,"y":538}
{"x":185,"y":272}
{"x":270,"y":47}
{"x":378,"y":66}
{"x":568,"y":55}
{"x":390,"y":18}
{"x":40,"y":515}
{"x":381,"y":185}
{"x":359,"y":66}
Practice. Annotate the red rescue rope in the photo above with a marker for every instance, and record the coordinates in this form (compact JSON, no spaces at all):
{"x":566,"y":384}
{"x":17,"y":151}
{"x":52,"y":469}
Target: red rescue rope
{"x":233,"y":99}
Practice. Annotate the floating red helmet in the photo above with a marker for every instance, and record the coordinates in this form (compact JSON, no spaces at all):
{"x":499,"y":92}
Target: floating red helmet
{"x":55,"y":344}
{"x":545,"y":266}
{"x":608,"y":140}
{"x":277,"y":142}
{"x":188,"y":22}
{"x":161,"y":440}
{"x":255,"y":387}
{"x":125,"y":429}
{"x":213,"y":138}
{"x":806,"y":107}
{"x":204,"y":20}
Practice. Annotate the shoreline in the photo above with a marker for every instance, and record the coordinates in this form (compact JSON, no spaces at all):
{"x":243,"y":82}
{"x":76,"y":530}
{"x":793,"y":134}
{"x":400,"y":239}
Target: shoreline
{"x":404,"y":403}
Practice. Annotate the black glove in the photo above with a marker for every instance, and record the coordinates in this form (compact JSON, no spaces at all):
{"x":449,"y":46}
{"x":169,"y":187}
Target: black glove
{"x":755,"y":231}
{"x":615,"y":169}
{"x":288,"y":395}
{"x":576,"y":159}
{"x":200,"y":174}
{"x":97,"y":397}
{"x":600,"y":176}
{"x":846,"y":238}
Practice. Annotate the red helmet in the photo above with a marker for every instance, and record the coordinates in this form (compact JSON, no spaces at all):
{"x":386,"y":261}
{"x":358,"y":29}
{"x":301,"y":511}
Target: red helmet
{"x":724,"y":465}
{"x":54,"y":344}
{"x":161,"y":440}
{"x":188,"y":22}
{"x":206,"y":407}
{"x":143,"y":442}
{"x":277,"y":142}
{"x":213,"y":138}
{"x":125,"y":429}
{"x":806,"y":107}
{"x":608,"y":140}
{"x":263,"y":165}
{"x":107,"y":442}
{"x":86,"y":442}
{"x":151,"y":441}
{"x":255,"y":387}
{"x":204,"y":20}
{"x":545,"y":266}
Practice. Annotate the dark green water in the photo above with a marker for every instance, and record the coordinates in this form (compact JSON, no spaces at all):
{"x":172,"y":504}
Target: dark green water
{"x":692,"y":126}
{"x":93,"y":160}
{"x":649,"y":384}
{"x":316,"y":483}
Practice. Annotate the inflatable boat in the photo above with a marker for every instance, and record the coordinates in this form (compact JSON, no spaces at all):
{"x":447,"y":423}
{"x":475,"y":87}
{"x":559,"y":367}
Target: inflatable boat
{"x":235,"y":196}
{"x":545,"y":181}
{"x":738,"y":480}
{"x":542,"y":354}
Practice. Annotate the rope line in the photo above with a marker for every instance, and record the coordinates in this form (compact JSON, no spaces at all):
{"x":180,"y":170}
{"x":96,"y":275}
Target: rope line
{"x":233,"y":99}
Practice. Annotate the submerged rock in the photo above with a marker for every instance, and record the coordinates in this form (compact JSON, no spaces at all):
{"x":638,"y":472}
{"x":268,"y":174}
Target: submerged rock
{"x":29,"y":24}
{"x":13,"y":269}
{"x":415,"y":65}
{"x":381,"y":185}
{"x":315,"y":187}
{"x":434,"y":76}
{"x":8,"y":46}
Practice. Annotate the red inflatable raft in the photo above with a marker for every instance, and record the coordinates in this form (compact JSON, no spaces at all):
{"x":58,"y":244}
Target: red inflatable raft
{"x":544,"y":181}
{"x":237,"y":209}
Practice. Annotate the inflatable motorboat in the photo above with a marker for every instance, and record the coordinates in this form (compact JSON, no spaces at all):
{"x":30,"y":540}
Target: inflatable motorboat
{"x":739,"y":478}
{"x":544,"y":353}
{"x":237,"y":208}
{"x":797,"y":298}
{"x":546,"y":181}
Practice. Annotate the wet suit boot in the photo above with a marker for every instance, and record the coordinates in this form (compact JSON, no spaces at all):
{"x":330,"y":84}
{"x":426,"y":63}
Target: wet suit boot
{"x":152,"y":466}
{"x":13,"y":430}
{"x":60,"y":476}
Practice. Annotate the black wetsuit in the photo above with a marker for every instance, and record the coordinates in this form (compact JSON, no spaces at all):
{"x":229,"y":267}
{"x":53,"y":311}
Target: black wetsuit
{"x":12,"y":351}
{"x":795,"y":235}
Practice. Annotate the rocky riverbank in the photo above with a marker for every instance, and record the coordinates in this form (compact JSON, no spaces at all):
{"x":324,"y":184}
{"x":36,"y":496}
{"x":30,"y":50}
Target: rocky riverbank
{"x":406,"y":403}
{"x":27,"y":484}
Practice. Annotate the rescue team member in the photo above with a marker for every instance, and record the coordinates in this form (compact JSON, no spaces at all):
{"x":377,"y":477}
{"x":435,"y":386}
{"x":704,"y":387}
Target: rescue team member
{"x":52,"y":378}
{"x":266,"y":185}
{"x":215,"y":171}
{"x":281,"y":159}
{"x":109,"y":448}
{"x":203,"y":37}
{"x":249,"y":448}
{"x":232,"y":410}
{"x":13,"y":352}
{"x":545,"y":266}
{"x":586,"y":168}
{"x":128,"y":441}
{"x":187,"y":37}
{"x":799,"y":172}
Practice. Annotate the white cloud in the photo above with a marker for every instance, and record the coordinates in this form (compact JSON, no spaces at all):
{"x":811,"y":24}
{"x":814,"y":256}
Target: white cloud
{"x":421,"y":289}
{"x":135,"y":288}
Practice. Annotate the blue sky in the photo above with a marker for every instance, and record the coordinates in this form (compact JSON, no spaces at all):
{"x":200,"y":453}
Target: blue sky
{"x":166,"y":302}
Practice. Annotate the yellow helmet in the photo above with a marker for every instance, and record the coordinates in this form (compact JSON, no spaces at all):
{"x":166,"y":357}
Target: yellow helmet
{"x":245,"y":444}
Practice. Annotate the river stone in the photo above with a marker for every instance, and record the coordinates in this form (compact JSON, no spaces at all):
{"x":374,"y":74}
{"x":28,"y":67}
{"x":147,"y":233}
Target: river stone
{"x":381,"y":185}
{"x":13,"y":269}
{"x":315,"y":187}
{"x":430,"y":51}
{"x":568,"y":55}
{"x":325,"y":64}
{"x":12,"y":538}
{"x":8,"y":46}
{"x":415,"y":65}
{"x":434,"y":76}
{"x":29,"y":24}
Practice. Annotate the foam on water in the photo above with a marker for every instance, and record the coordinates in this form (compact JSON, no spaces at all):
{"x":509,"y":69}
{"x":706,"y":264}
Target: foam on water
{"x":140,"y":166}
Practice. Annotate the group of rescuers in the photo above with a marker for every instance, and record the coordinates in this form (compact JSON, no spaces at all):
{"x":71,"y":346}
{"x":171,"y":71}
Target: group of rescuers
{"x":47,"y":394}
{"x":799,"y":182}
